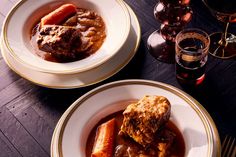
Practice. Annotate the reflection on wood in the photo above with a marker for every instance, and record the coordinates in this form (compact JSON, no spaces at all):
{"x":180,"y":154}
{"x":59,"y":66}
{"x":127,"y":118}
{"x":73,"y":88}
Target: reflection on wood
{"x":7,"y":148}
{"x":22,"y":140}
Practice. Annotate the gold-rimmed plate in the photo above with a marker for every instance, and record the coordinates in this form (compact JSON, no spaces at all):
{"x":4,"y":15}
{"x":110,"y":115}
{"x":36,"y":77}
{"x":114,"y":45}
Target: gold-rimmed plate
{"x":86,"y":78}
{"x":26,"y":14}
{"x":71,"y":133}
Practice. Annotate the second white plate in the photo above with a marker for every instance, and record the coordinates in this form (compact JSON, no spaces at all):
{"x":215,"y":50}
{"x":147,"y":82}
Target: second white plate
{"x":198,"y":129}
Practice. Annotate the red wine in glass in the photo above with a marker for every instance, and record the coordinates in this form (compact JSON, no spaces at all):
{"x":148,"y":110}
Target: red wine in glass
{"x":173,"y":16}
{"x":191,"y":56}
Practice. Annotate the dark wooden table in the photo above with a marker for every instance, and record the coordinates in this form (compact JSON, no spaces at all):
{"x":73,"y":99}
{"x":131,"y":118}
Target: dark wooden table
{"x":29,"y":113}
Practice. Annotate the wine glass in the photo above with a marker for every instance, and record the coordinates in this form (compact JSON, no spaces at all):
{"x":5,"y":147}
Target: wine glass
{"x":223,"y":44}
{"x":191,"y":56}
{"x":173,"y":16}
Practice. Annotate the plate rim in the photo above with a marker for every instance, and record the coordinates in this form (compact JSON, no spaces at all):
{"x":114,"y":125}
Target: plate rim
{"x":212,"y":137}
{"x":121,"y":3}
{"x":108,"y":75}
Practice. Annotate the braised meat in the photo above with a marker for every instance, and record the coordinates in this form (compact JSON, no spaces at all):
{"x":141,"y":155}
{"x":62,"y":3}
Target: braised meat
{"x":160,"y":147}
{"x":62,"y":41}
{"x":68,"y":34}
{"x":144,"y":118}
{"x":165,"y":140}
{"x":129,"y":151}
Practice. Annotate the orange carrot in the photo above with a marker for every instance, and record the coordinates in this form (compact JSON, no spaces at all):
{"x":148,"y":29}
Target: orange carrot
{"x":58,"y":15}
{"x":104,"y":140}
{"x":233,"y":20}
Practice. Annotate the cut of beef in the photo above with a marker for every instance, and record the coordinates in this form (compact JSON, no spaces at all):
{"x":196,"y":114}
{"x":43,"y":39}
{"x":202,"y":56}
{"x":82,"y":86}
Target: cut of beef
{"x":62,"y":41}
{"x":143,"y":119}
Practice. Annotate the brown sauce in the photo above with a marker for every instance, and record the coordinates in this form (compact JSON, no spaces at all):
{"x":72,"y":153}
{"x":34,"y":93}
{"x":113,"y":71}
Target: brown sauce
{"x":177,"y":148}
{"x":92,"y":28}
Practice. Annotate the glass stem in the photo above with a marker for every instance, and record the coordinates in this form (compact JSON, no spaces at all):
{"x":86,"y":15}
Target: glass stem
{"x":223,"y":41}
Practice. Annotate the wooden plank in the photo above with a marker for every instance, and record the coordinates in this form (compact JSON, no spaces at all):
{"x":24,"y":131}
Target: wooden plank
{"x":51,"y":114}
{"x":14,"y":1}
{"x":5,"y":6}
{"x":7,"y":76}
{"x":40,"y":127}
{"x":52,"y":103}
{"x":37,"y":127}
{"x":145,"y":15}
{"x":0,"y":48}
{"x":18,"y":136}
{"x":24,"y":101}
{"x":7,"y":149}
{"x":2,"y":17}
{"x":203,"y":19}
{"x":1,"y":23}
{"x":14,"y":90}
{"x":48,"y":103}
{"x":38,"y":110}
{"x":166,"y":73}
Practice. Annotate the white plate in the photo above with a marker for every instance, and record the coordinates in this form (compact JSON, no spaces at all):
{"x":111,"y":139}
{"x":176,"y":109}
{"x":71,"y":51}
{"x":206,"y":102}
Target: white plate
{"x":22,"y":18}
{"x":86,"y":78}
{"x":71,"y":133}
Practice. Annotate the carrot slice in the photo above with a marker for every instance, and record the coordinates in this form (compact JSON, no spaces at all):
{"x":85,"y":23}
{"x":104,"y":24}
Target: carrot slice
{"x":104,"y":140}
{"x":58,"y":15}
{"x":233,"y":20}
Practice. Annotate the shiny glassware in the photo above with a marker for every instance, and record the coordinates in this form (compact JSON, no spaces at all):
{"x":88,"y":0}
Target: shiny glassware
{"x":173,"y":16}
{"x":191,"y":56}
{"x":223,"y":44}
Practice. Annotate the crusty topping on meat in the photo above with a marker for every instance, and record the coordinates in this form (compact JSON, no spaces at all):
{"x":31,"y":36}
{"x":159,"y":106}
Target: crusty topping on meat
{"x":144,"y":118}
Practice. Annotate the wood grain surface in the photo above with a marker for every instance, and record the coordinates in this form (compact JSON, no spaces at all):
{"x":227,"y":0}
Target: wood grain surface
{"x":29,"y":113}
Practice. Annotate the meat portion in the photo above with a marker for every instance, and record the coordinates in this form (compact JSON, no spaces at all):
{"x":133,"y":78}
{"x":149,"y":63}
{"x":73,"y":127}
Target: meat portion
{"x":68,"y":34}
{"x":160,"y":147}
{"x":62,"y":41}
{"x":129,"y":151}
{"x":165,"y":140}
{"x":144,"y":118}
